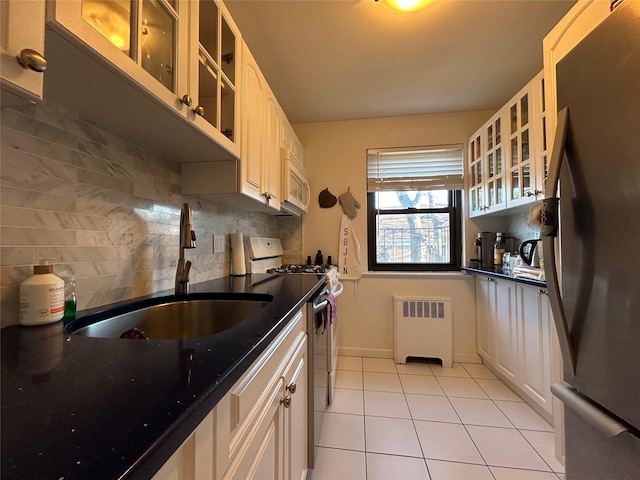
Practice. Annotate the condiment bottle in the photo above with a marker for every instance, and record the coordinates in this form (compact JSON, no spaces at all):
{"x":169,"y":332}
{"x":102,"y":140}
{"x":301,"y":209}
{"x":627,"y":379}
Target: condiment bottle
{"x":41,"y":296}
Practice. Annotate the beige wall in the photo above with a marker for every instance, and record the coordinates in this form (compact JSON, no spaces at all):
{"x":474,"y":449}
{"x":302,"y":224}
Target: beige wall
{"x":335,"y":158}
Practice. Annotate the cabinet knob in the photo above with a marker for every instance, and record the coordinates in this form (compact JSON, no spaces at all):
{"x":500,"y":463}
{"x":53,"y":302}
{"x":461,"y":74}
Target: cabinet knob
{"x":186,"y":100}
{"x":292,"y":388}
{"x":286,"y":401}
{"x":489,"y":279}
{"x":199,"y":110}
{"x":29,"y":58}
{"x":542,"y":292}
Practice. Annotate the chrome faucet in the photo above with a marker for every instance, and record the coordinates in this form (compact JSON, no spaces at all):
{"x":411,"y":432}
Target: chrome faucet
{"x":187,"y":240}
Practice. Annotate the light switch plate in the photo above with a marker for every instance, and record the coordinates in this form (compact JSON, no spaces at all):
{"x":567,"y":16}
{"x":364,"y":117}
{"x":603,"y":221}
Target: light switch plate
{"x":218,"y":243}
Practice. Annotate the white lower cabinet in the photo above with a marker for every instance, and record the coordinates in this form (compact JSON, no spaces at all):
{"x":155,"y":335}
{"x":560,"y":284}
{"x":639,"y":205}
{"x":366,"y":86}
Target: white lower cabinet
{"x":534,"y":324}
{"x":259,"y":428}
{"x":514,"y":335}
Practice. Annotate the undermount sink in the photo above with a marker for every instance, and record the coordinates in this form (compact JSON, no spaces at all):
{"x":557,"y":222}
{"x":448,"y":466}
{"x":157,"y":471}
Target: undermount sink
{"x":176,"y":317}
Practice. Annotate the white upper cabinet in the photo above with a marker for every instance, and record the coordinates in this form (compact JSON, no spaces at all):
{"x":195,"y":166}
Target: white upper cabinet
{"x":147,"y":65}
{"x":214,"y":71}
{"x":22,"y":61}
{"x":583,"y":17}
{"x":487,"y":167}
{"x":260,"y":162}
{"x":524,"y":141}
{"x":507,"y":156}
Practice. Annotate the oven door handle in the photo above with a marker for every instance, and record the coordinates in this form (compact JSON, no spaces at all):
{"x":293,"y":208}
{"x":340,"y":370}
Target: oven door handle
{"x":339,"y":288}
{"x":318,"y":307}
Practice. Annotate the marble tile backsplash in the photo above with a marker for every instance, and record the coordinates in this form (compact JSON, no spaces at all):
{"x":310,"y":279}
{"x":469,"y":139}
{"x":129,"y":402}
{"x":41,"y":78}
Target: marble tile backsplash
{"x":104,"y":211}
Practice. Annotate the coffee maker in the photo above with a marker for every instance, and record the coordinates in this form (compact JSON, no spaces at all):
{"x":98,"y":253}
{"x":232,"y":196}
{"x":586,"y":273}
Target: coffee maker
{"x":484,"y":244}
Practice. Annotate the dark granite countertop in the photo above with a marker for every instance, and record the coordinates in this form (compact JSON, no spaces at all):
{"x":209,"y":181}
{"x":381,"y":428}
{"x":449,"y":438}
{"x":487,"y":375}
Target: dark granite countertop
{"x":76,"y":407}
{"x":498,"y":272}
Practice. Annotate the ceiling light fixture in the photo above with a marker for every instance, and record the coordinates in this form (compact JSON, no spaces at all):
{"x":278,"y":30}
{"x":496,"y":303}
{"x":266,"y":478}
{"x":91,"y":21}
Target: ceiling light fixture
{"x":404,"y":6}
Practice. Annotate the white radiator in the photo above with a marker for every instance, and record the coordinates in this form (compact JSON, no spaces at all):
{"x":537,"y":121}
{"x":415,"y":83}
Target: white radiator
{"x":423,"y":328}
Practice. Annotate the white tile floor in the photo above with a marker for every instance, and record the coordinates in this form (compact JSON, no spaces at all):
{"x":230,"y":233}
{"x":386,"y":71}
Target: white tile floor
{"x":423,"y":422}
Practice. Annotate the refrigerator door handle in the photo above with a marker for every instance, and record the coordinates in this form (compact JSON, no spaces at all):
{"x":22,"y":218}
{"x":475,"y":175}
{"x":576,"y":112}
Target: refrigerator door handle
{"x":549,"y":231}
{"x":588,"y":411}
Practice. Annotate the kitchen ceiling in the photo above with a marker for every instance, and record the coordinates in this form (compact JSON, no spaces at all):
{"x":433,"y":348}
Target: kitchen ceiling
{"x":332,"y":60}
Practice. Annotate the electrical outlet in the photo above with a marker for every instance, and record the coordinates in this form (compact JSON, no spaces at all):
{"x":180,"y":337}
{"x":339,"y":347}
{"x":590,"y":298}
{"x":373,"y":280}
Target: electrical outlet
{"x":218,"y":243}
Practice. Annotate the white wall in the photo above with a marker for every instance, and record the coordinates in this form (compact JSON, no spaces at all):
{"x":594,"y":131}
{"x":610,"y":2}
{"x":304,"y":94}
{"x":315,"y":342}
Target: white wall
{"x":335,"y":158}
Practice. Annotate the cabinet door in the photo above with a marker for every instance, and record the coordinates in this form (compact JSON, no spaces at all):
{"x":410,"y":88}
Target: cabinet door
{"x":214,"y":46}
{"x":506,"y":330}
{"x":261,"y":454}
{"x":477,"y":204}
{"x":272,"y":158}
{"x":485,"y":300}
{"x":520,"y":131}
{"x":145,"y":40}
{"x":252,"y":120}
{"x":296,"y":413}
{"x":16,"y":15}
{"x":535,"y":344}
{"x":495,"y":195}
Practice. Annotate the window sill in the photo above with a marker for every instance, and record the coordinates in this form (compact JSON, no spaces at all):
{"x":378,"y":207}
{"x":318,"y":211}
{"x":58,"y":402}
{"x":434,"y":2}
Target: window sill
{"x":422,"y":275}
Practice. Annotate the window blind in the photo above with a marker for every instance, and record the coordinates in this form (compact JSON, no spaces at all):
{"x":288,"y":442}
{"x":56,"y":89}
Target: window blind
{"x":435,"y":167}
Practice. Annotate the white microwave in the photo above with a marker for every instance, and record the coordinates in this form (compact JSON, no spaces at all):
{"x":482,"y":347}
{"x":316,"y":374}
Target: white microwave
{"x":296,"y":193}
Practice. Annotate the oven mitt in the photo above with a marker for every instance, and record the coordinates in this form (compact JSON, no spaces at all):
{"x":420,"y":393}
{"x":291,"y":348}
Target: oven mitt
{"x":326,"y":199}
{"x":348,"y":204}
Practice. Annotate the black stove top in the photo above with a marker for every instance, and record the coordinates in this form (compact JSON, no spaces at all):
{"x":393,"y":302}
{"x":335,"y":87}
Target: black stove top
{"x":299,"y":268}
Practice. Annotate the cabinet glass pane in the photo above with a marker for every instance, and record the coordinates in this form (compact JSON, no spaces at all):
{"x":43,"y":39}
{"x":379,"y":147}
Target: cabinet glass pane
{"x":478,"y":147}
{"x":474,"y":200}
{"x":112,"y":19}
{"x":228,"y":53}
{"x":490,"y":162}
{"x":526,"y":180}
{"x":525,"y":146}
{"x":513,"y":114}
{"x":208,"y":27}
{"x":499,"y":190}
{"x":227,"y":109}
{"x":524,"y":110}
{"x":472,"y":151}
{"x":544,"y":133}
{"x":544,"y":106}
{"x":515,"y":187}
{"x":514,"y":151}
{"x":490,"y":136}
{"x":480,"y":171}
{"x":492,"y":194}
{"x":498,"y":161}
{"x":207,"y":91}
{"x":480,"y":199}
{"x":473,"y":175}
{"x":158,"y":28}
{"x":498,"y":132}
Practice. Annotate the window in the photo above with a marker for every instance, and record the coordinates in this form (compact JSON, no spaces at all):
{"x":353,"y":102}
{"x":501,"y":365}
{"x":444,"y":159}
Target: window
{"x":413,"y":207}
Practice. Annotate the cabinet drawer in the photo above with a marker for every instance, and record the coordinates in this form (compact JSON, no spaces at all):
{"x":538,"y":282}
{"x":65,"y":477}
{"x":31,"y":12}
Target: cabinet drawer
{"x":251,"y":392}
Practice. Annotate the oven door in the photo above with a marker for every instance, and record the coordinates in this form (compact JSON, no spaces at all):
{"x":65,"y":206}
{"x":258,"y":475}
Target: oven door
{"x":319,"y":355}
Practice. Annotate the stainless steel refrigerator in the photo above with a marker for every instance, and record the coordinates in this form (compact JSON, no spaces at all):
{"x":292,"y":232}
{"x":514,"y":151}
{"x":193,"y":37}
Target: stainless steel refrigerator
{"x":596,"y":302}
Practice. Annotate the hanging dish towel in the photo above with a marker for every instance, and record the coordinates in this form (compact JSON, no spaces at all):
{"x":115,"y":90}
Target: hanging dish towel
{"x":349,"y":265}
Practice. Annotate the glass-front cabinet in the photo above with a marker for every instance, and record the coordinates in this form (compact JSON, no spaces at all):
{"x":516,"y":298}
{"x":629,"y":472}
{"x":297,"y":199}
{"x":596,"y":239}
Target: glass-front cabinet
{"x":181,"y":52}
{"x":486,"y":168}
{"x":525,"y":144}
{"x":507,"y":157}
{"x":213,"y":84}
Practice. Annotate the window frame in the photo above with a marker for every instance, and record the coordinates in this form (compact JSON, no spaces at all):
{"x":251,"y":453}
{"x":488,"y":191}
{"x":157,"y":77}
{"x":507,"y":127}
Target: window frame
{"x":454,"y":210}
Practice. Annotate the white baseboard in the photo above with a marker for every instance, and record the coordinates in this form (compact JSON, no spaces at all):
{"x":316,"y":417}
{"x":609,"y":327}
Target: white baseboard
{"x":388,"y":353}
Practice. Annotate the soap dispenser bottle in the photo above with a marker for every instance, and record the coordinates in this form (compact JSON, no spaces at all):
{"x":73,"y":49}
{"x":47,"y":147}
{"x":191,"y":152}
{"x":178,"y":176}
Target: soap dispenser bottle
{"x":41,"y":297}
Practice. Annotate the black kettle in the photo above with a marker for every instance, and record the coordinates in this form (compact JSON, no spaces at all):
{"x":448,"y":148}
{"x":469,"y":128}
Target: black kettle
{"x":530,"y":251}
